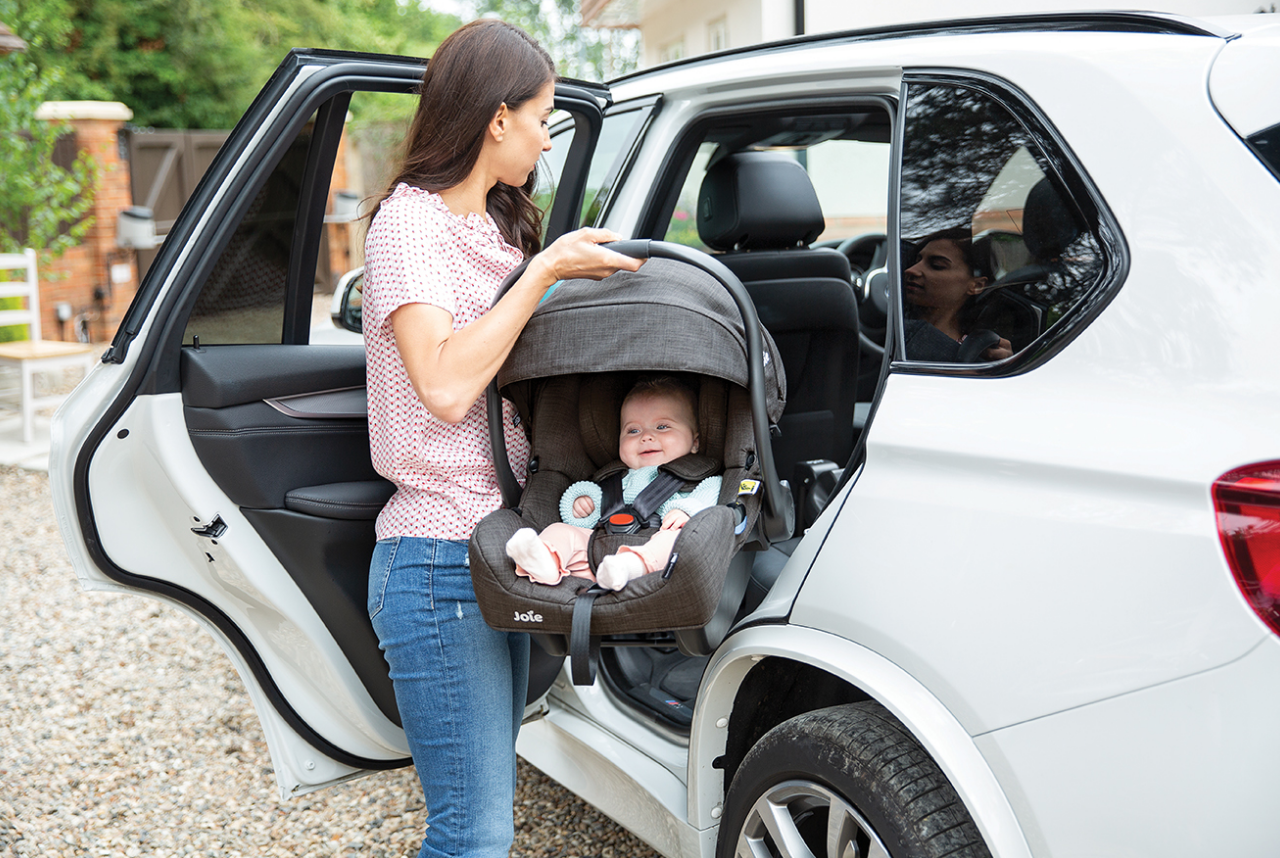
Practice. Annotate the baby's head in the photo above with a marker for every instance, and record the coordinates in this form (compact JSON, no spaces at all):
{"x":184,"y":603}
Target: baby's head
{"x":659,"y":422}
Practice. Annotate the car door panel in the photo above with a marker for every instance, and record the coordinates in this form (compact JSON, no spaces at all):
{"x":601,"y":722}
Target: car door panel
{"x":165,"y":527}
{"x":228,"y":471}
{"x":254,"y":450}
{"x":283,"y":430}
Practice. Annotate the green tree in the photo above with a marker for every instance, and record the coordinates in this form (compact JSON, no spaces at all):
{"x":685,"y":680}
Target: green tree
{"x":197,"y":64}
{"x":42,"y":205}
{"x":581,"y":52}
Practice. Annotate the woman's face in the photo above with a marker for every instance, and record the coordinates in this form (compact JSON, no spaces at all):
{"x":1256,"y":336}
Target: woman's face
{"x":940,"y":278}
{"x":524,"y":136}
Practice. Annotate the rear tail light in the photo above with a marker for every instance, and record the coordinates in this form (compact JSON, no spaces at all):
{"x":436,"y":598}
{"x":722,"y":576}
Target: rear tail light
{"x":1247,"y":501}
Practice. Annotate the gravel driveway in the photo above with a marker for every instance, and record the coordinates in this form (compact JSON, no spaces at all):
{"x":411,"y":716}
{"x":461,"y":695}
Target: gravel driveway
{"x":125,"y":731}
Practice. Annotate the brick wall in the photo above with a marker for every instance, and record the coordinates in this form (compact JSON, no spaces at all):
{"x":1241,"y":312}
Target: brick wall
{"x":95,"y":279}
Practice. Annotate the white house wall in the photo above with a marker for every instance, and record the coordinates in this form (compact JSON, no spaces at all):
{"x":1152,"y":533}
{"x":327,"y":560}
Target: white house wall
{"x":749,"y":22}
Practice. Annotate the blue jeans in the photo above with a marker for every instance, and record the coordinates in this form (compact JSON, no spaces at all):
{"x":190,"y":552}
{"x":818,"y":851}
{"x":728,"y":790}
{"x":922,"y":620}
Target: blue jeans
{"x":460,"y":687}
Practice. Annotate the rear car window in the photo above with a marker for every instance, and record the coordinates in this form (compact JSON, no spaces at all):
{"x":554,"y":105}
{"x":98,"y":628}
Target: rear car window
{"x":1267,"y":146}
{"x":976,"y":175}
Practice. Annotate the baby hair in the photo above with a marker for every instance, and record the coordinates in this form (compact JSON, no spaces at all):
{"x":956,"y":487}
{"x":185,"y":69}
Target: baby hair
{"x":667,"y":385}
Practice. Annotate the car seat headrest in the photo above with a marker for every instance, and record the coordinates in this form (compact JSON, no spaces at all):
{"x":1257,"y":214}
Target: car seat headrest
{"x":758,"y":201}
{"x":1048,"y":224}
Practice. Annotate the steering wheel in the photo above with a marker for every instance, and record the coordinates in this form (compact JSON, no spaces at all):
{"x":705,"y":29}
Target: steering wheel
{"x":975,"y":344}
{"x":868,"y":256}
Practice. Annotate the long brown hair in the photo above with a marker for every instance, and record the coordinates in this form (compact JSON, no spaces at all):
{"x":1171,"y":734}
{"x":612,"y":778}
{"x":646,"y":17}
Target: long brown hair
{"x":476,"y":70}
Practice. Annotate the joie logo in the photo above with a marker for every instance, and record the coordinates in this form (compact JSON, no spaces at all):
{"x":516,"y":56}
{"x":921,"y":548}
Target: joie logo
{"x":530,"y":617}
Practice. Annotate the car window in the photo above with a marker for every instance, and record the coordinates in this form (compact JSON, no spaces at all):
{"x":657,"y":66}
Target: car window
{"x":993,"y":237}
{"x":1267,"y":144}
{"x":368,"y":154}
{"x":243,"y":299}
{"x":617,"y":135}
{"x":851,"y":178}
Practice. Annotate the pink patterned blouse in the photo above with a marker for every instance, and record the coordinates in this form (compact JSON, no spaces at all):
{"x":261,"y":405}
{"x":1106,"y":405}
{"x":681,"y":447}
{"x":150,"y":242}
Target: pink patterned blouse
{"x":419,"y":252}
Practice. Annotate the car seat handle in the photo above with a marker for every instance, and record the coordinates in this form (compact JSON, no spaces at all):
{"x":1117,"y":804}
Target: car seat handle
{"x":636,"y":248}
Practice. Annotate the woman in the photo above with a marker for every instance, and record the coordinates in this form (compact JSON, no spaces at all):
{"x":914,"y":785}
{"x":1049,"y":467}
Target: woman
{"x":455,"y":221}
{"x":939,"y":290}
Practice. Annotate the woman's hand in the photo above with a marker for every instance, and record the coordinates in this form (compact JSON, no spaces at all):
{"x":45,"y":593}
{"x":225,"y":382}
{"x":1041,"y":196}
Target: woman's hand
{"x":579,"y":254}
{"x":675,"y":519}
{"x":999,"y":351}
{"x":583,"y":506}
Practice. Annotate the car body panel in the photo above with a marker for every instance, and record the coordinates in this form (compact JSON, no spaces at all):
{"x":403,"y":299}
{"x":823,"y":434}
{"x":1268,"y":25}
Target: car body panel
{"x":1245,"y":82}
{"x":613,"y":765}
{"x":1175,"y":768}
{"x":296,"y":646}
{"x":1024,"y":458}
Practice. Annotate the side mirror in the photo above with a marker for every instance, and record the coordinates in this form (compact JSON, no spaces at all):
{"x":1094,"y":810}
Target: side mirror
{"x":345,"y":309}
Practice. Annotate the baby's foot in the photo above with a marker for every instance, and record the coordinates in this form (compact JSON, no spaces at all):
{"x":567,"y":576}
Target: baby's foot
{"x":532,"y":556}
{"x":617,"y":569}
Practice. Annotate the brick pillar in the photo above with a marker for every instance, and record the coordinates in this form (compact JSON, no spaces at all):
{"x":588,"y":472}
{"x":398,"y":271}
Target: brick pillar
{"x":96,"y":279}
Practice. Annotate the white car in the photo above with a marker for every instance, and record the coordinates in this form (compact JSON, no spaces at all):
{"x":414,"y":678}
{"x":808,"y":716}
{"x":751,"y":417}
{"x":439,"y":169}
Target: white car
{"x":1033,"y":604}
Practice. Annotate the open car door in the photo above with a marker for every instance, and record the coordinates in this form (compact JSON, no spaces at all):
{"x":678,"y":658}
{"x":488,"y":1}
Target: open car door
{"x":218,"y":459}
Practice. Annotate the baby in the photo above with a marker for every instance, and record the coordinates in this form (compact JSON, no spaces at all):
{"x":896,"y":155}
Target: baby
{"x":659,"y":425}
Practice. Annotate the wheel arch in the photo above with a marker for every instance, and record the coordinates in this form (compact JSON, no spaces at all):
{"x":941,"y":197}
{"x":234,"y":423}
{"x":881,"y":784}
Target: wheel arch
{"x":765,"y":675}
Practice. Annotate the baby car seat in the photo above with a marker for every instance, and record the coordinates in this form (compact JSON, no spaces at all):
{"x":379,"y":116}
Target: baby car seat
{"x":681,"y":313}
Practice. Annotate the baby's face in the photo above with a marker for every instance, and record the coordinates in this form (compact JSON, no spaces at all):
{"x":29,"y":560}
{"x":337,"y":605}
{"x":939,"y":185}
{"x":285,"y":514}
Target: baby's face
{"x":656,"y":429}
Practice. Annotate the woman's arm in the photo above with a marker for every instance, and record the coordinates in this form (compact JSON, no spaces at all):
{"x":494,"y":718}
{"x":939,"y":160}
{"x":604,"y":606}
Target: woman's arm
{"x":450,"y":369}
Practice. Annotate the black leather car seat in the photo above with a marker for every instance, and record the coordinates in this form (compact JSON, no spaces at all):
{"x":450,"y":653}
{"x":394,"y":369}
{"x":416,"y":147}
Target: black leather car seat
{"x":1016,"y":304}
{"x":759,"y":211}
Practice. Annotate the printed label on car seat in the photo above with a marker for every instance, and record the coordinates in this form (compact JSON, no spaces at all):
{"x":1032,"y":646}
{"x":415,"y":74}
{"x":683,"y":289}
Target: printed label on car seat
{"x":529,"y":617}
{"x":748,"y":487}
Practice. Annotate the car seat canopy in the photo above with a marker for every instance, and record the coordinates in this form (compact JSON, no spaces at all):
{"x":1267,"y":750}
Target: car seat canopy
{"x":667,"y":317}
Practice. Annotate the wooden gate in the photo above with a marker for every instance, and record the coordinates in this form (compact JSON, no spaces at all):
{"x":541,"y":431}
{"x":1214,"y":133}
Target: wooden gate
{"x":165,"y":167}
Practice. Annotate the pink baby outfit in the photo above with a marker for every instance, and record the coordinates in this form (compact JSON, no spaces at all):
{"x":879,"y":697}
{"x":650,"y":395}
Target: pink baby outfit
{"x":568,"y":539}
{"x":568,"y":546}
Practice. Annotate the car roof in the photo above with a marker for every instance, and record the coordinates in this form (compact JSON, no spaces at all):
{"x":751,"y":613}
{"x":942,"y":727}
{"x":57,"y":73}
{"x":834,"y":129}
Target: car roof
{"x":1096,"y":22}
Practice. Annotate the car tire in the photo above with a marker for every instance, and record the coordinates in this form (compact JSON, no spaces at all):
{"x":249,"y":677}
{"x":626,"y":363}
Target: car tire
{"x":844,"y":782}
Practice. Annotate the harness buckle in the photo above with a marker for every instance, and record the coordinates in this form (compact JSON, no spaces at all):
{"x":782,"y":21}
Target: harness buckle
{"x":622,"y":522}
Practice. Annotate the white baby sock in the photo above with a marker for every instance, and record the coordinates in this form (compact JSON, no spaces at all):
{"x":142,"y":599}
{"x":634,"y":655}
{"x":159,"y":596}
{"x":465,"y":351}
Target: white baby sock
{"x":617,"y":569}
{"x":531,"y":554}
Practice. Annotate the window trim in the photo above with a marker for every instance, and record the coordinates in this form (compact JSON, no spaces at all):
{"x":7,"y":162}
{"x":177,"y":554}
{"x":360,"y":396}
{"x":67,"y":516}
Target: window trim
{"x":1069,"y":171}
{"x":656,"y":212}
{"x":651,"y":106}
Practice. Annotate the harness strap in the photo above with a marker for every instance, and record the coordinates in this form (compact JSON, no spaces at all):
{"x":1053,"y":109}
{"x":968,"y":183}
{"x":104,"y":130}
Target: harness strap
{"x":610,"y":495}
{"x":656,"y":494}
{"x":584,"y":650}
{"x":646,"y":504}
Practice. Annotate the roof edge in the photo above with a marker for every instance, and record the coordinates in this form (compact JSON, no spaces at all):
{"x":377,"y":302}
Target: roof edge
{"x":1103,"y":21}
